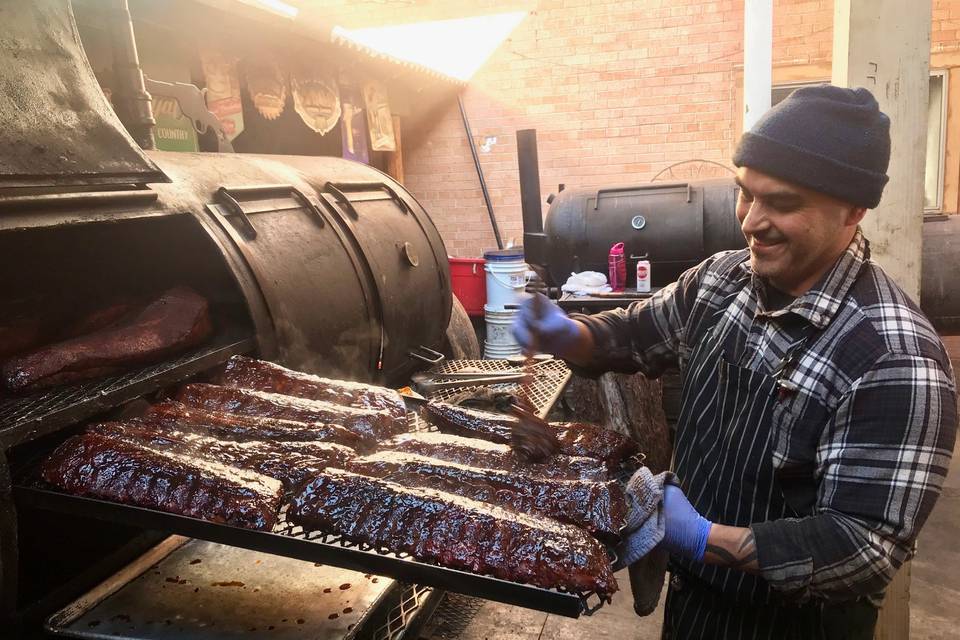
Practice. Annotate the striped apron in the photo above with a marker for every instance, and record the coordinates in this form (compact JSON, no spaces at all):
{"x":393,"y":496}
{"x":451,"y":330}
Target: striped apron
{"x":724,"y":465}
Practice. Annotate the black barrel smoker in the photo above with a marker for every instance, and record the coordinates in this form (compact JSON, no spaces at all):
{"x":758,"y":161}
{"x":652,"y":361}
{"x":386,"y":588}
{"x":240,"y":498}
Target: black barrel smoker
{"x":321,"y":264}
{"x":673,"y":225}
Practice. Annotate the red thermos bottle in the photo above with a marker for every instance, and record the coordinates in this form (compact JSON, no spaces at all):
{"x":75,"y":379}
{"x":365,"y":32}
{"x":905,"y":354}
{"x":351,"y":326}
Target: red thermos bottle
{"x":617,"y":267}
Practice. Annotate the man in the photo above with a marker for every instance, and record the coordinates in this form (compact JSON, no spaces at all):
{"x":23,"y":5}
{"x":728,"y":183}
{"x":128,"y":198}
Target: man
{"x":818,"y":407}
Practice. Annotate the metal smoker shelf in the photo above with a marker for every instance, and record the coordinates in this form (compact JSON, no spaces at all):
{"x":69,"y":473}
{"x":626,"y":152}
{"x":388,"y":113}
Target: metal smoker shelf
{"x":292,"y":541}
{"x":27,"y":417}
{"x":425,"y":581}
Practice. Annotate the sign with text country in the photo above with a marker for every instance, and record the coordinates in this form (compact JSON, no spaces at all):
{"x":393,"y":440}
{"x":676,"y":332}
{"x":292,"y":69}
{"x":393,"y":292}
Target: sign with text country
{"x":174,"y":131}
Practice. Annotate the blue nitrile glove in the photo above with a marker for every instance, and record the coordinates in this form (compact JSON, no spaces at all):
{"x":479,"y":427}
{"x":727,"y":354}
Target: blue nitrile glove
{"x":686,"y":530}
{"x":542,"y":326}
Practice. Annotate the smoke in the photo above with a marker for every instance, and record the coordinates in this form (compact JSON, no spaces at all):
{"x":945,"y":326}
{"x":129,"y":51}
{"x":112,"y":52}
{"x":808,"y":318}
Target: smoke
{"x":349,"y":356}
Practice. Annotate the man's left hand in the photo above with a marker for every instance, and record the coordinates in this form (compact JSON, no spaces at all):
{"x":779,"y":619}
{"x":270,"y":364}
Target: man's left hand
{"x":686,"y":531}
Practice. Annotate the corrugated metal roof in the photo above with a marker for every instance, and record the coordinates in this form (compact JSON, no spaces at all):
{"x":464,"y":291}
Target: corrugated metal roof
{"x":341,"y":38}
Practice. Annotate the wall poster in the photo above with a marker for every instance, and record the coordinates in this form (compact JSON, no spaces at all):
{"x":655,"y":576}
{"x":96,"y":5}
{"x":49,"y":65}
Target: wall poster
{"x":222,"y":92}
{"x":379,"y":118}
{"x":353,"y":125}
{"x":315,"y":98}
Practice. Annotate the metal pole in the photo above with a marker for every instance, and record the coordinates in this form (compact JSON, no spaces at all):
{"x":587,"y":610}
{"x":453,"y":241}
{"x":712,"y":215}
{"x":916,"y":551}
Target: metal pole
{"x":131,"y":100}
{"x":483,"y":182}
{"x":757,"y":59}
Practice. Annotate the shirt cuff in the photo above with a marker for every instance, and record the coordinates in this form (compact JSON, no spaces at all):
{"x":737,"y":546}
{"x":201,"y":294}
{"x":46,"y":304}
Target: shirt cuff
{"x":785,"y":566}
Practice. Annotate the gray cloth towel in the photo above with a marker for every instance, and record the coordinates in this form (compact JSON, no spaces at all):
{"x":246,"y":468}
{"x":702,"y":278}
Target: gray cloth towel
{"x":643,"y":533}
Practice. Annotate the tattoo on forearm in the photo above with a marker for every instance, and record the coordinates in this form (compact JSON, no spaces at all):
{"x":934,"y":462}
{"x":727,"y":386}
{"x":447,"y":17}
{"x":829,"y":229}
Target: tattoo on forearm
{"x":742,"y":555}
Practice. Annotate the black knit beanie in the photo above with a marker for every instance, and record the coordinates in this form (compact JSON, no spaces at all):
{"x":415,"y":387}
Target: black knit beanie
{"x":829,"y":139}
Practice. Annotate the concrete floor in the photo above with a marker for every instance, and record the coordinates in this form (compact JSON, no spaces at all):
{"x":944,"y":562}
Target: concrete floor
{"x":934,"y":589}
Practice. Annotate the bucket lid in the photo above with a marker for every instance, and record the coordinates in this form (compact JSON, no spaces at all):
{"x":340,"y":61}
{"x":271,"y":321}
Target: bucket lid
{"x":504,"y":255}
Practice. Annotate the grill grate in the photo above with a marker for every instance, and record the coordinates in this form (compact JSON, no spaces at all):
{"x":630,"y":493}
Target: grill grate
{"x":551,"y":377}
{"x":25,"y":418}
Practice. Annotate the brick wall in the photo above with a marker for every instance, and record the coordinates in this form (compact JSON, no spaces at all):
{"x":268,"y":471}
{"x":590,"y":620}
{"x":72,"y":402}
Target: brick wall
{"x":619,"y":92}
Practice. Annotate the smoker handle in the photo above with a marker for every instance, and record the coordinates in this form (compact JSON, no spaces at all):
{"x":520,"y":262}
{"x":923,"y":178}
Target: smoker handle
{"x":229,"y":195}
{"x":432,"y":357}
{"x":640,"y":187}
{"x":248,"y":229}
{"x":341,"y":189}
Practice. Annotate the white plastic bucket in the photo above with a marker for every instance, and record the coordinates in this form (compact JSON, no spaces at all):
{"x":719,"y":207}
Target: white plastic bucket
{"x":499,"y":342}
{"x":506,"y":274}
{"x":499,"y":352}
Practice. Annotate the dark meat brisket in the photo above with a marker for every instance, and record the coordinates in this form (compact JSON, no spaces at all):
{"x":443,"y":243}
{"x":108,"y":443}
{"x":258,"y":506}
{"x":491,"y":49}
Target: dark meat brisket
{"x":576,"y":439}
{"x":474,"y":452}
{"x":372,"y":425}
{"x":247,"y":373}
{"x":598,"y":507}
{"x":177,"y":320}
{"x":235,"y":426}
{"x":99,"y":466}
{"x":437,"y":527}
{"x":19,"y":335}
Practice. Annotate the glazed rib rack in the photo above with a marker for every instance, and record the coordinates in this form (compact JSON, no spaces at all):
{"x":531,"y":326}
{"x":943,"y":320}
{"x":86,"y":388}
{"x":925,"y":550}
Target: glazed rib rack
{"x":287,"y":539}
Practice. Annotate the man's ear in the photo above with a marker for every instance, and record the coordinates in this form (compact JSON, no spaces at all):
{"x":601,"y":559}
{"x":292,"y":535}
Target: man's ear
{"x":855,"y":215}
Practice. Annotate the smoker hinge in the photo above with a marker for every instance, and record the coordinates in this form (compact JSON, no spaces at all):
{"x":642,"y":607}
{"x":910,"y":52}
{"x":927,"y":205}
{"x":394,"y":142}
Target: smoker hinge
{"x":339,"y":191}
{"x":79,"y":199}
{"x":232,"y":197}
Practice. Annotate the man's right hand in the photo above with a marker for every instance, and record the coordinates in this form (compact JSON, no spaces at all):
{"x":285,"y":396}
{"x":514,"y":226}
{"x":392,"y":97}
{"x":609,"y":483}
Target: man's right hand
{"x":541,"y":326}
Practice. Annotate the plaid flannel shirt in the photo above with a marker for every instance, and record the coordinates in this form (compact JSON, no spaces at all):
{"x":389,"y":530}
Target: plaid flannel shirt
{"x":861,"y":442}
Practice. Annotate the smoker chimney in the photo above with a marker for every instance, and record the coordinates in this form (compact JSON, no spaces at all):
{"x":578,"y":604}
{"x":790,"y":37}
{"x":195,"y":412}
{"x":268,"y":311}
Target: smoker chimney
{"x":534,"y":240}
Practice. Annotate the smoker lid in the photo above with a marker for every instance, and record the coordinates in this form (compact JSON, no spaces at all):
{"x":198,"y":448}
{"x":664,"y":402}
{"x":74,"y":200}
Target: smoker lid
{"x":56,"y":126}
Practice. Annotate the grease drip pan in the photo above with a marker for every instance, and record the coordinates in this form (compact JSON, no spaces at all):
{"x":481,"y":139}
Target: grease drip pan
{"x":197,"y":590}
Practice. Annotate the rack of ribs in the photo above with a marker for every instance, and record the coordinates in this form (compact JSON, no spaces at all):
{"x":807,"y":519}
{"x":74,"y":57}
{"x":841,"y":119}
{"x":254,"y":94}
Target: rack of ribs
{"x":369,"y":424}
{"x":490,"y":455}
{"x":576,"y":439}
{"x":177,"y":320}
{"x":598,"y":507}
{"x":455,"y":532}
{"x":248,"y":373}
{"x":289,"y":462}
{"x":97,"y":466}
{"x":235,"y":426}
{"x":584,"y":439}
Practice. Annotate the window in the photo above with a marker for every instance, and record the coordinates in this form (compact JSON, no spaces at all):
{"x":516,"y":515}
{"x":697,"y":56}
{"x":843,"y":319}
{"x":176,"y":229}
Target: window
{"x":936,"y":127}
{"x":936,"y":142}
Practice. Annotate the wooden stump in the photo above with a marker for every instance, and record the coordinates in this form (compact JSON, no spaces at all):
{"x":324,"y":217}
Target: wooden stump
{"x":628,"y":404}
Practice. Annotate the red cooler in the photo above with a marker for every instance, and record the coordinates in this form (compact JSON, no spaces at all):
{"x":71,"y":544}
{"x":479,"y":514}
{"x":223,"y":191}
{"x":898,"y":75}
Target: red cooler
{"x":469,"y":283}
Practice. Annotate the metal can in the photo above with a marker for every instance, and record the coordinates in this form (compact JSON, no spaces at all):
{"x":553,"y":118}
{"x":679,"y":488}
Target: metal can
{"x":643,"y":276}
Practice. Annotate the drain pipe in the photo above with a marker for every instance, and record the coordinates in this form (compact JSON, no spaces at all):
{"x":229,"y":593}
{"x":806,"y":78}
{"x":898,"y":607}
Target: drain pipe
{"x":131,"y":101}
{"x":483,"y":182}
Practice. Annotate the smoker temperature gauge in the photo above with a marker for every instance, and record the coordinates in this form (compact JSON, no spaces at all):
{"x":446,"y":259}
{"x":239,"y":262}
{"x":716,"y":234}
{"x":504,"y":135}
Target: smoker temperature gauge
{"x":638,"y":222}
